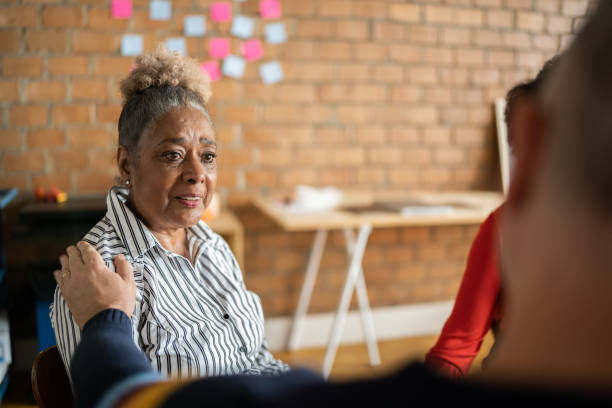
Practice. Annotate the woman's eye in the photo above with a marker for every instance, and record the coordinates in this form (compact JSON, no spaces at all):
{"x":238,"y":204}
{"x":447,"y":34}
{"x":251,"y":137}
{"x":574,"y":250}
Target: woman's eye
{"x":209,"y":157}
{"x":172,"y":156}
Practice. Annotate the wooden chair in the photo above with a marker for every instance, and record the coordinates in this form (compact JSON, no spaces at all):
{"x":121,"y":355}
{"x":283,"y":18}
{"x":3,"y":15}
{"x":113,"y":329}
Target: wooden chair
{"x":50,"y":384}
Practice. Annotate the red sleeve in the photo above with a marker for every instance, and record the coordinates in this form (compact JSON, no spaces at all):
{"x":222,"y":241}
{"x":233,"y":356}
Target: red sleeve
{"x":475,"y":306}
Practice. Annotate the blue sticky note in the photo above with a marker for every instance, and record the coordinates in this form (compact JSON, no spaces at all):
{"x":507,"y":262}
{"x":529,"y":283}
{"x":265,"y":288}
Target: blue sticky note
{"x":131,"y":44}
{"x":160,"y":10}
{"x":177,"y":44}
{"x":271,"y":72}
{"x":243,"y":27}
{"x":233,"y":66}
{"x":276,"y":33}
{"x":195,"y":26}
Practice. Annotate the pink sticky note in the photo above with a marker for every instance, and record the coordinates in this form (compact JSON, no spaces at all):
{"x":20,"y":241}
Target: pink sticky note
{"x":121,"y":9}
{"x":218,"y":47}
{"x":221,"y":11}
{"x":252,"y":50}
{"x":212,"y":69}
{"x":269,"y":8}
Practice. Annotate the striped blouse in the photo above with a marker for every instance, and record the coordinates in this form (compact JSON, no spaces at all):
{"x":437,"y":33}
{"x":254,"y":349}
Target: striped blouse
{"x":189,"y":320}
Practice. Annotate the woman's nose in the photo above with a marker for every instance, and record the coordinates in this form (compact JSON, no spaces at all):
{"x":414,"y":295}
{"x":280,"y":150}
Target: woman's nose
{"x":193,"y":170}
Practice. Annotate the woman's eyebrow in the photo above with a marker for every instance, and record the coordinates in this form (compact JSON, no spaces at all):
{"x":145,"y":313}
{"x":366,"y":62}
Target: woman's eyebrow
{"x":181,"y":140}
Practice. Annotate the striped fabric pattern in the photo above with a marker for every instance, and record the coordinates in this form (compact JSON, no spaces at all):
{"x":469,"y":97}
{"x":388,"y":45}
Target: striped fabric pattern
{"x":189,"y":321}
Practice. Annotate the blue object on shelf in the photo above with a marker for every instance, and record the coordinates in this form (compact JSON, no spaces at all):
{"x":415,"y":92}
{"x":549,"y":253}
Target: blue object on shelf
{"x":46,"y":336}
{"x":4,"y":386}
{"x":6,"y":195}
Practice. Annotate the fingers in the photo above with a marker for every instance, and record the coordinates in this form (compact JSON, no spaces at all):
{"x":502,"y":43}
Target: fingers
{"x":124,"y":268}
{"x":89,"y":253}
{"x":58,"y":277}
{"x":74,"y":257}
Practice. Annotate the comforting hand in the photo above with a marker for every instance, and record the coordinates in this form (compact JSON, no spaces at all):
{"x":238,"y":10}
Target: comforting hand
{"x":89,"y":287}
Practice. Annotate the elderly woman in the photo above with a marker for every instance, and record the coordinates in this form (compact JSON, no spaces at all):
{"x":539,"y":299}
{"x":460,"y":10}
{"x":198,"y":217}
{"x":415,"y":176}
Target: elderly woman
{"x":193,"y":315}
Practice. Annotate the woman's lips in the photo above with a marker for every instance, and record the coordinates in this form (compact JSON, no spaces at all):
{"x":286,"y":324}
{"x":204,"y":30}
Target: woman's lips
{"x":188,"y":200}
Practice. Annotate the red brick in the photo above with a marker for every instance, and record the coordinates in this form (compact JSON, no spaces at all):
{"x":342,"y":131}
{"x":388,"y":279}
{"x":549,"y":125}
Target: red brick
{"x":349,"y":156}
{"x":237,"y":157}
{"x":405,"y":53}
{"x":437,"y":136}
{"x":314,"y":28}
{"x":449,"y":155}
{"x":94,"y":42}
{"x":370,"y":176}
{"x":422,"y":34}
{"x":273,"y":157}
{"x":301,"y":8}
{"x":403,"y":176}
{"x":261,"y":177}
{"x":386,"y":31}
{"x":9,"y":91}
{"x":119,"y":66}
{"x":96,"y":89}
{"x":574,"y":8}
{"x":373,"y":9}
{"x":291,"y":177}
{"x":68,"y":65}
{"x":49,"y":181}
{"x":297,"y":113}
{"x":22,"y":66}
{"x":71,"y":113}
{"x":46,"y":138}
{"x":500,"y":18}
{"x":546,"y":42}
{"x":28,"y":115}
{"x":422,"y":75}
{"x":439,"y":95}
{"x":45,"y":40}
{"x":549,"y":6}
{"x":61,"y":16}
{"x":385,"y":155}
{"x":94,"y":181}
{"x":455,"y":36}
{"x":305,"y":71}
{"x":389,"y":73}
{"x":142,"y":22}
{"x":335,"y":8}
{"x":90,"y":137}
{"x":352,"y":29}
{"x":558,"y":25}
{"x":488,"y":38}
{"x":334,"y":50}
{"x":9,"y":40}
{"x":530,"y":21}
{"x":518,"y":4}
{"x":100,"y":19}
{"x":46,"y":91}
{"x":25,"y":16}
{"x":517,"y":40}
{"x":405,"y":12}
{"x":24,"y":161}
{"x":240,"y":113}
{"x":108,"y":113}
{"x":9,"y":138}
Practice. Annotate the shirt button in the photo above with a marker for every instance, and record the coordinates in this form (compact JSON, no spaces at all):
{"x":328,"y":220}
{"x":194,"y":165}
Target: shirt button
{"x":242,"y":349}
{"x":226,"y":316}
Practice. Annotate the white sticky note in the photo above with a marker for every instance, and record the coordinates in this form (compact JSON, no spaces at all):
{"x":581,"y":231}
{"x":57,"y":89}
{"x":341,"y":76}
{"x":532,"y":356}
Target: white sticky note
{"x":195,"y":26}
{"x":233,"y":66}
{"x":271,"y":72}
{"x":131,"y":44}
{"x":276,"y":33}
{"x":177,"y":44}
{"x":160,"y":10}
{"x":243,"y":27}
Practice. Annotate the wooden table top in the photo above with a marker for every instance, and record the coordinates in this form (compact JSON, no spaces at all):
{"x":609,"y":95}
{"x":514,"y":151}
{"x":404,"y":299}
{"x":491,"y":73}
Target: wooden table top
{"x":383,"y":210}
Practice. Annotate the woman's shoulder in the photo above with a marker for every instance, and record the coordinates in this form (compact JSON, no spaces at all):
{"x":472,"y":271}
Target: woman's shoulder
{"x":105,"y":239}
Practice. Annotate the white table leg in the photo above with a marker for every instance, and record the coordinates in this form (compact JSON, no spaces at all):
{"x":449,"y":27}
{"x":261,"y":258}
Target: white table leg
{"x":347,"y":292}
{"x":367,"y":321}
{"x":309,"y":280}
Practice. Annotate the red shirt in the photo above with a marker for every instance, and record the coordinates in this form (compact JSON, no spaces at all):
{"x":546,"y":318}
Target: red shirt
{"x":477,"y":306}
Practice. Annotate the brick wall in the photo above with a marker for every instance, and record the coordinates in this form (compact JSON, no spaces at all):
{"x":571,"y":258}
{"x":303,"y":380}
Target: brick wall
{"x":384,"y":95}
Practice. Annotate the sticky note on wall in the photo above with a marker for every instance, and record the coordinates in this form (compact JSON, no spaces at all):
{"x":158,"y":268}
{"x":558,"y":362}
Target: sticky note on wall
{"x":270,"y":9}
{"x":218,"y":47}
{"x":221,"y":11}
{"x":243,"y":27}
{"x":233,"y":66}
{"x":212,"y":69}
{"x":275,"y":33}
{"x":252,"y":50}
{"x":195,"y":26}
{"x":121,"y":9}
{"x":271,"y":72}
{"x":131,"y":45}
{"x":177,"y":44}
{"x":160,"y":10}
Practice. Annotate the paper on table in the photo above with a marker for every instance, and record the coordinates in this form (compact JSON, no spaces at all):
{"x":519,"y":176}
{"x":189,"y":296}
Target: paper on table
{"x":271,"y":72}
{"x":233,"y":66}
{"x":218,"y":47}
{"x":212,"y":69}
{"x":269,"y":8}
{"x":177,"y":44}
{"x":312,"y":199}
{"x":131,"y":45}
{"x":276,"y":33}
{"x":160,"y":10}
{"x":121,"y":9}
{"x":221,"y":11}
{"x":412,"y":210}
{"x":252,"y":50}
{"x":243,"y":27}
{"x":195,"y":26}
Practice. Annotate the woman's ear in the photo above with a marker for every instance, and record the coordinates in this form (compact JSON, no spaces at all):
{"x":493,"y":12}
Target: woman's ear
{"x":125,"y":163}
{"x":528,"y":142}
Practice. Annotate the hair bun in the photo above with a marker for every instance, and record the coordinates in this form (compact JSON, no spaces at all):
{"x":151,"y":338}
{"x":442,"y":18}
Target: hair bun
{"x":164,"y":68}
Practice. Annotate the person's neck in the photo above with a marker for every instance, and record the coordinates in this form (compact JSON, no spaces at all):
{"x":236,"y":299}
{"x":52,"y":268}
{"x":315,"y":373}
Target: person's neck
{"x":174,"y":240}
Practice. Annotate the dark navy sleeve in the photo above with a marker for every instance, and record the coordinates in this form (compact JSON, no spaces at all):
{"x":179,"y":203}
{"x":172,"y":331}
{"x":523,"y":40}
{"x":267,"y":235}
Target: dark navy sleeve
{"x":106,"y":357}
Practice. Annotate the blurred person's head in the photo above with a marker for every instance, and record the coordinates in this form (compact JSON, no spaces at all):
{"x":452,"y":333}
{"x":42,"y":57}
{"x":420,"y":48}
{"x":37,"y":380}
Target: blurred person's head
{"x":557,"y":227}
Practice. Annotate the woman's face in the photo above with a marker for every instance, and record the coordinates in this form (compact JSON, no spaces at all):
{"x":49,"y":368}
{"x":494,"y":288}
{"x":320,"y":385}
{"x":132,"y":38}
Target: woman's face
{"x":174,"y":176}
